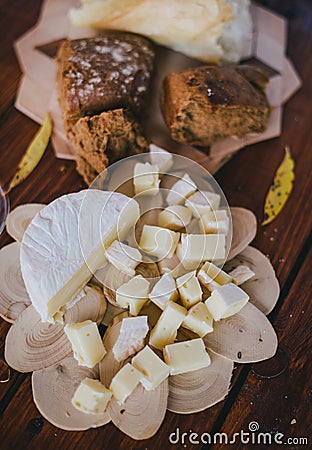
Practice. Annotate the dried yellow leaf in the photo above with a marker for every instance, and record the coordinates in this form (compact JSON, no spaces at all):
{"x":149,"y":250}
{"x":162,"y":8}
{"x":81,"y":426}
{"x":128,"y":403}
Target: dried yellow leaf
{"x":33,"y":154}
{"x":280,"y":189}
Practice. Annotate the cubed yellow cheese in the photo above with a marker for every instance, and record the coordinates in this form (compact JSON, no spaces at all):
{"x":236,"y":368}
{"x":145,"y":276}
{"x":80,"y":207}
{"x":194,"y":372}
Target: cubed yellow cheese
{"x":183,"y":357}
{"x":226,"y":300}
{"x":153,"y":369}
{"x":195,"y":248}
{"x":146,"y":179}
{"x":165,"y":330}
{"x":189,"y":289}
{"x":124,"y":382}
{"x":212,"y":276}
{"x":133,"y":294}
{"x":158,"y":241}
{"x":174,"y":217}
{"x":199,"y":320}
{"x":164,"y":291}
{"x":203,"y":201}
{"x":91,"y":396}
{"x":241,"y":274}
{"x":86,"y":342}
{"x":181,"y":190}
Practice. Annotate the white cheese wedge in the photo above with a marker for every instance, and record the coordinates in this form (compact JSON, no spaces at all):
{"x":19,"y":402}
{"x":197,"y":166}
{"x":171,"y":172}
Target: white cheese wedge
{"x":164,"y":291}
{"x":183,"y":357}
{"x":154,"y":370}
{"x":133,"y":294}
{"x":166,"y":328}
{"x":86,"y":342}
{"x":226,"y":300}
{"x":195,"y":248}
{"x":91,"y":396}
{"x":203,"y":201}
{"x":212,"y":276}
{"x":131,"y":337}
{"x":174,"y":217}
{"x":189,"y":289}
{"x":123,"y":257}
{"x":161,"y":158}
{"x":125,"y":381}
{"x":199,"y":320}
{"x":146,"y":179}
{"x":241,"y":274}
{"x":63,"y":245}
{"x":181,"y":190}
{"x":158,"y":241}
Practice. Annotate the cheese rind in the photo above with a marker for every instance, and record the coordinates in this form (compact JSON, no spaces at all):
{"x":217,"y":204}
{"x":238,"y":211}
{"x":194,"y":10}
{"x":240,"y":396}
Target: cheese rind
{"x":133,"y":294}
{"x":123,"y":257}
{"x":63,"y":245}
{"x":91,"y":397}
{"x":199,"y":320}
{"x":165,"y":330}
{"x":125,"y":381}
{"x":202,"y":201}
{"x":158,"y":241}
{"x":131,"y":337}
{"x":153,"y":369}
{"x":195,"y":248}
{"x":164,"y":291}
{"x":174,"y":217}
{"x":186,"y":356}
{"x":241,"y":274}
{"x":226,"y":300}
{"x":161,"y":158}
{"x":146,"y":179}
{"x":86,"y":342}
{"x":212,"y":276}
{"x":181,"y":190}
{"x":189,"y":289}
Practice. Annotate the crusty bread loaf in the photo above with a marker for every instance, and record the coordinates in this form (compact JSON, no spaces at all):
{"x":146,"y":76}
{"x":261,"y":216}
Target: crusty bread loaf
{"x":208,"y":103}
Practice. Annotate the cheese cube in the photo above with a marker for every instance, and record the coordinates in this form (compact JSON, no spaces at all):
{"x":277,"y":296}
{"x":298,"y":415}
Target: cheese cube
{"x":203,"y":201}
{"x":161,"y":158}
{"x":146,"y":179}
{"x":133,"y":294}
{"x":183,"y":357}
{"x":181,"y":189}
{"x":215,"y":222}
{"x":164,"y":291}
{"x":226,"y":300}
{"x":123,"y":257}
{"x":199,"y":320}
{"x":124,"y":382}
{"x":166,"y":328}
{"x":155,"y":371}
{"x":195,"y":248}
{"x":189,"y":289}
{"x":173,"y":266}
{"x":241,"y":274}
{"x":174,"y":217}
{"x":86,"y":342}
{"x":131,"y":337}
{"x":158,"y":241}
{"x":91,"y":397}
{"x":212,"y":276}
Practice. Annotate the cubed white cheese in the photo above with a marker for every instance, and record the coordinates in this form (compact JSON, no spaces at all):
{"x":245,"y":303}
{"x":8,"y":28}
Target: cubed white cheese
{"x":158,"y":241}
{"x":212,"y":276}
{"x":215,"y":222}
{"x":146,"y":179}
{"x":173,"y":266}
{"x":226,"y":300}
{"x":91,"y":396}
{"x":181,"y":190}
{"x":133,"y":294}
{"x":131,"y":337}
{"x":86,"y":342}
{"x":189,"y":289}
{"x":164,"y":291}
{"x":195,"y":248}
{"x":183,"y":357}
{"x":161,"y":158}
{"x":125,"y":381}
{"x":155,"y":371}
{"x":241,"y":274}
{"x":199,"y":320}
{"x":165,"y":330}
{"x":174,"y":217}
{"x":123,"y":257}
{"x":203,"y":201}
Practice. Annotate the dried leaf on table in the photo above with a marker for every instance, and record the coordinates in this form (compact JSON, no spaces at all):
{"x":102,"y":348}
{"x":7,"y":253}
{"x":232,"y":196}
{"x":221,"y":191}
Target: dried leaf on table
{"x":280,"y":189}
{"x":33,"y":154}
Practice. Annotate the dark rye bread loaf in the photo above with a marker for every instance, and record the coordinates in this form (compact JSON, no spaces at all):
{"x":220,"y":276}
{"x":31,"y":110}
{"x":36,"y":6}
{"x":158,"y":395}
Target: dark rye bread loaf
{"x":209,"y":103}
{"x":103,"y":139}
{"x":103,"y":73}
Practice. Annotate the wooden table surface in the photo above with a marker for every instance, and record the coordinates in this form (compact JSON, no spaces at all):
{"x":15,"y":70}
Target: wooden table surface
{"x":280,"y":404}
